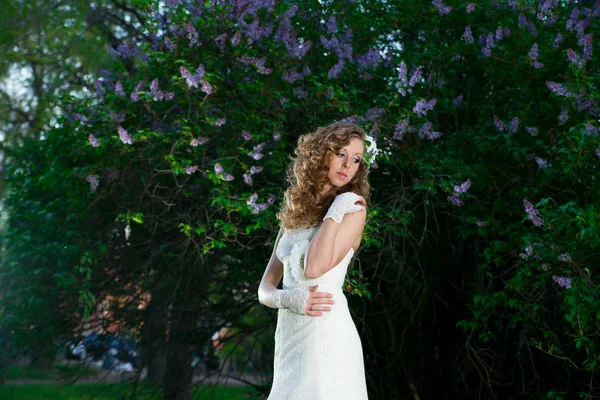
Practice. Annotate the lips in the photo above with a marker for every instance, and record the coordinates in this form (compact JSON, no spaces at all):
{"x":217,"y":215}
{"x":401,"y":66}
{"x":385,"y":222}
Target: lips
{"x":342,"y":174}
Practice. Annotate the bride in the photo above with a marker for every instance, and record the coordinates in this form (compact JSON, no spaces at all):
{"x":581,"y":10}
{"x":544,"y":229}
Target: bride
{"x":318,"y":353}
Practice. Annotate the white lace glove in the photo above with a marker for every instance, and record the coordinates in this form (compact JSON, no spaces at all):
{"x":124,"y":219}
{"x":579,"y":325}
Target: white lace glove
{"x":343,"y":204}
{"x":293,"y":299}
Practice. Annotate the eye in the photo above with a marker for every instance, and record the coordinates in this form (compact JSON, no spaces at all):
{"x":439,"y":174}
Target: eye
{"x":356,"y":160}
{"x":340,"y":153}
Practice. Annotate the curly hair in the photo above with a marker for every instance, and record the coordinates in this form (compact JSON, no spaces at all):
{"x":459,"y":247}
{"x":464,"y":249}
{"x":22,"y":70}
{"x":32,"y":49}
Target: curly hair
{"x":304,"y":204}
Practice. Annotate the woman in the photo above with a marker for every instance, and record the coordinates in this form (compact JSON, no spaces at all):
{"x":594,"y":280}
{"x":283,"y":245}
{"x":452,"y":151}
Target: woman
{"x":318,"y":354}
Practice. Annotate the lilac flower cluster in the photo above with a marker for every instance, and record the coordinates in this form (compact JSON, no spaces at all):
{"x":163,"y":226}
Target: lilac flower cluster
{"x":533,"y":54}
{"x":331,"y":25}
{"x":442,"y":8}
{"x":545,"y":9}
{"x":286,"y":34}
{"x":93,"y":141}
{"x":255,"y":169}
{"x":404,"y":85}
{"x":423,"y":106}
{"x":343,"y":50}
{"x":532,"y":213}
{"x":470,"y":8}
{"x":159,"y":95}
{"x":458,"y":100}
{"x":557,"y":40}
{"x":468,"y":35}
{"x":401,"y":129}
{"x":256,"y":151}
{"x":259,"y":63}
{"x":124,"y":136}
{"x":191,"y":169}
{"x":563,"y":116}
{"x":591,"y":129}
{"x":81,"y":118}
{"x":562,"y":281}
{"x":124,"y":51}
{"x":522,"y":21}
{"x":513,"y":127}
{"x":370,"y":59}
{"x":598,"y":152}
{"x":559,"y":89}
{"x":579,"y":61}
{"x":94,"y":182}
{"x":425,"y":132}
{"x":291,"y":75}
{"x":259,"y":207}
{"x":135,"y":95}
{"x":299,"y":92}
{"x":119,"y":91}
{"x":220,"y":122}
{"x":481,"y":224}
{"x":532,"y":130}
{"x":542,"y":164}
{"x":584,"y":103}
{"x":458,"y":190}
{"x":565,"y":257}
{"x":198,"y":141}
{"x":374,"y":113}
{"x":499,"y":124}
{"x":219,"y":170}
{"x":192,"y":80}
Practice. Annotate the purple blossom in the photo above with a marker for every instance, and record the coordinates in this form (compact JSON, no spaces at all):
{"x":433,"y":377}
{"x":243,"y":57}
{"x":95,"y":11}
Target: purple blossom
{"x":533,"y":53}
{"x":194,"y":143}
{"x":489,"y":41}
{"x":218,"y":169}
{"x":575,"y":58}
{"x":486,"y":52}
{"x":586,"y":42}
{"x":591,"y":129}
{"x":581,"y":25}
{"x":557,"y":88}
{"x":155,"y":91}
{"x":565,"y":257}
{"x":169,"y":44}
{"x":499,"y":33}
{"x":247,"y":179}
{"x":513,"y":127}
{"x":522,"y":20}
{"x":255,"y":169}
{"x":401,"y":128}
{"x":481,"y":224}
{"x":299,"y":92}
{"x":542,"y":164}
{"x":470,"y":8}
{"x":424,"y":129}
{"x":562,"y":281}
{"x":236,"y":39}
{"x":276,"y":136}
{"x":134,"y":96}
{"x":506,"y":32}
{"x":598,"y":151}
{"x":532,"y":130}
{"x":415,"y":77}
{"x":124,"y":136}
{"x":192,"y":34}
{"x":557,"y":40}
{"x":423,"y":106}
{"x":206,"y":87}
{"x":291,"y":75}
{"x":93,"y":141}
{"x":374,"y":113}
{"x":336,"y":69}
{"x":220,"y":122}
{"x":191,"y":169}
{"x":537,"y":65}
{"x":227,"y":177}
{"x":499,"y":124}
{"x":563,"y":116}
{"x":442,"y":8}
{"x":371,"y":58}
{"x":463,"y":187}
{"x":100,"y":91}
{"x":246,"y":135}
{"x":455,"y":200}
{"x":191,"y":80}
{"x":468,"y":35}
{"x":532,"y":213}
{"x":256,"y":155}
{"x":457,"y":100}
{"x":331,"y":25}
{"x":119,"y":91}
{"x":94,"y":182}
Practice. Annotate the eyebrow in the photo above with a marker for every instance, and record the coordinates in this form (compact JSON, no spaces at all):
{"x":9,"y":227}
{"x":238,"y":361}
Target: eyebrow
{"x":343,"y":148}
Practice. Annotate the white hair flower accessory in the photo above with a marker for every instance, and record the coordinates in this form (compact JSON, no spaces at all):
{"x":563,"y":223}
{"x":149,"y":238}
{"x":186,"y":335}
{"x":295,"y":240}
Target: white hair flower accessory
{"x":372,"y":150}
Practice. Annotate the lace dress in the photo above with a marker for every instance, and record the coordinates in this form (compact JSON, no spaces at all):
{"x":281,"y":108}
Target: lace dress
{"x":316,"y":358}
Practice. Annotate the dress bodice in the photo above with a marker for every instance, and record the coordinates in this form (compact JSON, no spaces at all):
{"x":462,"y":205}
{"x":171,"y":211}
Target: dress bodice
{"x":291,"y":250}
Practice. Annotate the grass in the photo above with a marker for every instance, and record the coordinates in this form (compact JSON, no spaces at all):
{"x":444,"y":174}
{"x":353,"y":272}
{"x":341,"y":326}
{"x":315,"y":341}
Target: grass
{"x":59,"y":372}
{"x":113,"y":391}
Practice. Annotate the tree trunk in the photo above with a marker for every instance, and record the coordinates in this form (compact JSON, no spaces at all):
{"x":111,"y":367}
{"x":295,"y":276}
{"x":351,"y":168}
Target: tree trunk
{"x":177,"y":382}
{"x":154,"y":339}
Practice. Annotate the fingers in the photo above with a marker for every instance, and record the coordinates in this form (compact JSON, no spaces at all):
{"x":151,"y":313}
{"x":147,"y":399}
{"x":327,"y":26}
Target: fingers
{"x":313,"y":288}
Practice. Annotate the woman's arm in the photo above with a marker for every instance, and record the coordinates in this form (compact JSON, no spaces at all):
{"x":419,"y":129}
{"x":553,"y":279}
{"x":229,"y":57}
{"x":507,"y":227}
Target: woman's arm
{"x":332,"y":242}
{"x":271,"y":277}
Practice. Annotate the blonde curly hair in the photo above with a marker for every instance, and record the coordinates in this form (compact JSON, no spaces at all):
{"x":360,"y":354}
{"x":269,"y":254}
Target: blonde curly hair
{"x":304,"y":205}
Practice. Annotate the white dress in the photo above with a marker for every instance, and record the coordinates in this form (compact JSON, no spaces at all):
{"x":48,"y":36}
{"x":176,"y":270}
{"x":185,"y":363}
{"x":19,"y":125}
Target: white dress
{"x":316,"y":358}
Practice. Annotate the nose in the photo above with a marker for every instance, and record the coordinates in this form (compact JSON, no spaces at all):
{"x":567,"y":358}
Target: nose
{"x":345,"y":163}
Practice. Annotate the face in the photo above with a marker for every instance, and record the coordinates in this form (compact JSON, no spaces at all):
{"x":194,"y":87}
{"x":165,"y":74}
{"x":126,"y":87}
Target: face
{"x":344,"y":164}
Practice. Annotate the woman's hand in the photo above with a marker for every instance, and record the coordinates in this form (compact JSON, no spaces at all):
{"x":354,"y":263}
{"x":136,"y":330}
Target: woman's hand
{"x":343,"y":204}
{"x":316,"y":300}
